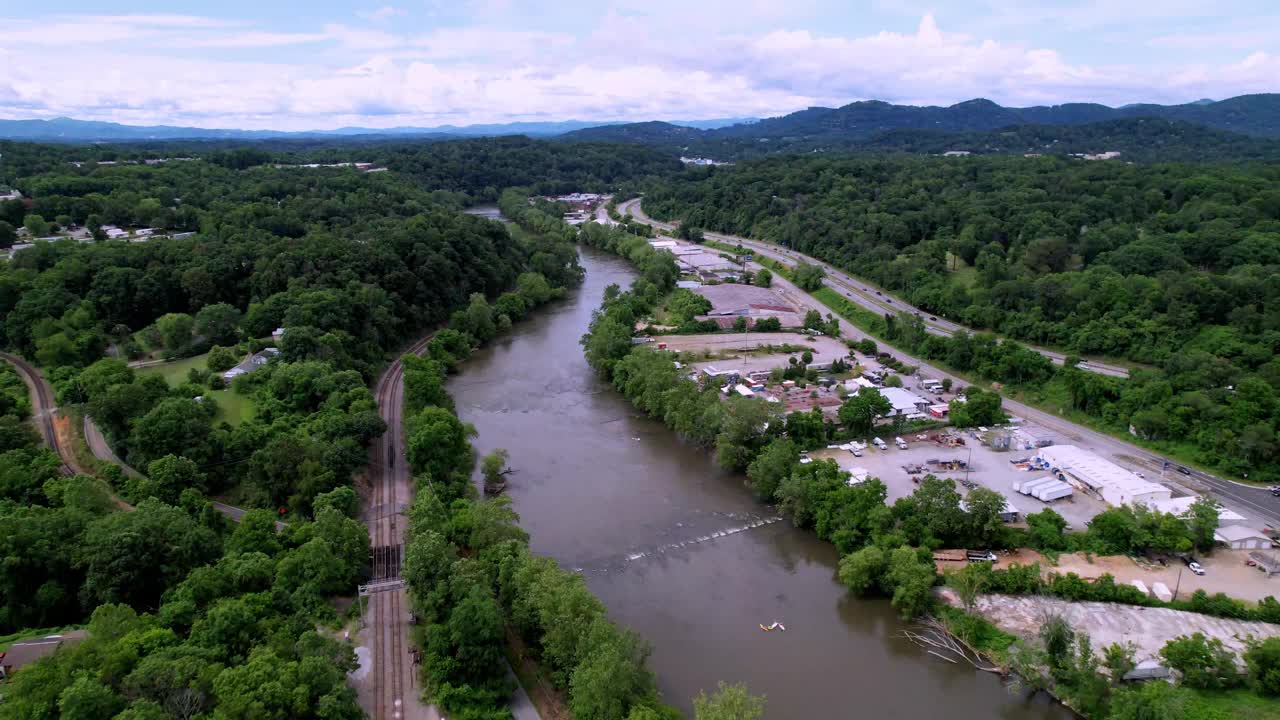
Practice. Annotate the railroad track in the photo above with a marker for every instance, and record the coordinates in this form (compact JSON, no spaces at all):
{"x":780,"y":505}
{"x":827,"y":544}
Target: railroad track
{"x":42,"y":411}
{"x":391,"y":493}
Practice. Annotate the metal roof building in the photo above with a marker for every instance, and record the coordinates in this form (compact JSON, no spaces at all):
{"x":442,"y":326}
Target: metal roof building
{"x":1112,"y":483}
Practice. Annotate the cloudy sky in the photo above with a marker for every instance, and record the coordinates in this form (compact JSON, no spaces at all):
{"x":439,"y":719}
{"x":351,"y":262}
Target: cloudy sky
{"x":323,"y":64}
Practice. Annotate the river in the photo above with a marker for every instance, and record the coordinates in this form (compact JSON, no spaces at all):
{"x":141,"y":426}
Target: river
{"x":680,"y":551}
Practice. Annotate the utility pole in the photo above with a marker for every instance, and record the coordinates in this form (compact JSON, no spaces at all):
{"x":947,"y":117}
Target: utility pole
{"x":968,"y":465}
{"x":1177,"y":584}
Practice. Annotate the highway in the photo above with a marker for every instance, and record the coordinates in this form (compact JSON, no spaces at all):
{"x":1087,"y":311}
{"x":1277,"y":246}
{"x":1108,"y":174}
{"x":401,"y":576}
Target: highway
{"x":1254,"y":503}
{"x":861,"y":292}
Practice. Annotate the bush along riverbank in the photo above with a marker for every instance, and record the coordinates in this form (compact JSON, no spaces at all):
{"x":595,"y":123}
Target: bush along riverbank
{"x":885,"y":549}
{"x":481,"y":596}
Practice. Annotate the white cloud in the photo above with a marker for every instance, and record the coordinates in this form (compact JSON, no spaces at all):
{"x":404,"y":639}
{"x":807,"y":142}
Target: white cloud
{"x":633,"y":62}
{"x":386,"y":12}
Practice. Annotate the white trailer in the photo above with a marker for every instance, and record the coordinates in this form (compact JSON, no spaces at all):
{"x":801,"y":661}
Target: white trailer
{"x":1064,"y":491}
{"x":1142,"y":587}
{"x":1029,"y":487}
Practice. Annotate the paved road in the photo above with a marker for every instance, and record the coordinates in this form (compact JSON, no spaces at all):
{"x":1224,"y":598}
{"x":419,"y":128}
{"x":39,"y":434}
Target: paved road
{"x":101,"y":449}
{"x":1255,"y":503}
{"x":861,"y":292}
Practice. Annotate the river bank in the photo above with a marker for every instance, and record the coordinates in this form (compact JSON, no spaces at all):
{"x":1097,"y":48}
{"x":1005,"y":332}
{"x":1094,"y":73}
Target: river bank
{"x":678,"y":549}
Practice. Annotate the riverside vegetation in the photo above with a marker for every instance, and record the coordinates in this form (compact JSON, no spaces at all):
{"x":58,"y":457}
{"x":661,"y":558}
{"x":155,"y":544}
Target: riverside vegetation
{"x":888,"y":549}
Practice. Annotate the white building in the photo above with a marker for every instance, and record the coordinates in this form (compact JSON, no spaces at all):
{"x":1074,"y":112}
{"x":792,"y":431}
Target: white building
{"x":1181,"y":507}
{"x":853,"y":385}
{"x":904,"y":402}
{"x":1238,"y":537}
{"x":1115,"y":485}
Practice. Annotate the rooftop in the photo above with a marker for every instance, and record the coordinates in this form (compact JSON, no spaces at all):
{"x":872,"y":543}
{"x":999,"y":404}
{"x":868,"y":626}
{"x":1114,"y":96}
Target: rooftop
{"x":1231,"y":533}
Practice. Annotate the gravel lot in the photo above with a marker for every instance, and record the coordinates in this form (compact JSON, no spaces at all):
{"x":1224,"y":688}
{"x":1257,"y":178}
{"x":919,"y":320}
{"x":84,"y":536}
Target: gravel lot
{"x":1147,"y":628}
{"x":989,"y":468}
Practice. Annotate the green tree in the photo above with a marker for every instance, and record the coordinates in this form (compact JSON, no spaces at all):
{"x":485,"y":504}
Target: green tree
{"x":980,"y":408}
{"x":219,"y":324}
{"x":912,"y":580}
{"x":859,"y":412}
{"x":808,"y":277}
{"x":1151,"y":701}
{"x":1263,"y":660}
{"x":1204,"y":662}
{"x":168,"y":476}
{"x":863,"y":571}
{"x":87,"y":699}
{"x":763,"y":278}
{"x":984,"y":508}
{"x":1119,"y":660}
{"x":1203,"y":521}
{"x":37,"y":226}
{"x":612,"y":676}
{"x":730,"y":702}
{"x":771,"y":466}
{"x":1058,"y":639}
{"x":222,"y":359}
{"x":1046,"y":530}
{"x":424,"y":384}
{"x":969,"y":582}
{"x":175,"y":330}
{"x":438,"y":445}
{"x":476,"y":633}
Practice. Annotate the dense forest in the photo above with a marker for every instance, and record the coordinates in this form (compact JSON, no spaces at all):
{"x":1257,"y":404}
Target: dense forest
{"x":474,"y":170}
{"x":193,"y":615}
{"x":1136,"y":139}
{"x":1174,"y":267}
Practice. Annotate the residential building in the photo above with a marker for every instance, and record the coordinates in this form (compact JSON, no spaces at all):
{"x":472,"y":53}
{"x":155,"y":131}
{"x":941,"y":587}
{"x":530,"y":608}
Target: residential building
{"x":251,"y":363}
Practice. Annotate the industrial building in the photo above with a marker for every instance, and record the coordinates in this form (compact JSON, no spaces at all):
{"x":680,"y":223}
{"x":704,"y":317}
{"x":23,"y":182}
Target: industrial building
{"x":1238,"y":537}
{"x":1103,"y":478}
{"x":904,"y":402}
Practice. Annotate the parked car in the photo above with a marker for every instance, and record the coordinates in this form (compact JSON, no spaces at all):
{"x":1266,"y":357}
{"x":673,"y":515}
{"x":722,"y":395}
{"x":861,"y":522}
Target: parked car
{"x":1194,"y":566}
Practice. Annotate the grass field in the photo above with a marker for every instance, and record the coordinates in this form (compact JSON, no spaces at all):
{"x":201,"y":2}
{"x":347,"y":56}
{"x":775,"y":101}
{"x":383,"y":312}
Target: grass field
{"x":232,"y":407}
{"x":1231,"y":705}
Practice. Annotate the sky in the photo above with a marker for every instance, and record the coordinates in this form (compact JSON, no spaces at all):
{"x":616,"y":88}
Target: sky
{"x":322,"y":64}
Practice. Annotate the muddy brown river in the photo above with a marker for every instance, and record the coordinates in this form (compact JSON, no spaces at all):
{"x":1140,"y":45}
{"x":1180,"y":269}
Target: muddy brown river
{"x":682,"y":553}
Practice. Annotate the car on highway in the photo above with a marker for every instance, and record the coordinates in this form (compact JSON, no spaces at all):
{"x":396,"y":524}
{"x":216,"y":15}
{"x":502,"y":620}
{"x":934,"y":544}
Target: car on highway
{"x":1184,"y":470}
{"x":1275,"y":492}
{"x":933,"y":318}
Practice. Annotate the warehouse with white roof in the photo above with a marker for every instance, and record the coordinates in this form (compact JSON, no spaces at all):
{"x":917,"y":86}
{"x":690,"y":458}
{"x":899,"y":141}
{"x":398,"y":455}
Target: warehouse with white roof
{"x":1115,"y":485}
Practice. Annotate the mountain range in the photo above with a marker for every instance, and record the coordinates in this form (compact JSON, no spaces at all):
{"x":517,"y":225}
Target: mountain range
{"x":70,"y":130}
{"x":1257,"y":115}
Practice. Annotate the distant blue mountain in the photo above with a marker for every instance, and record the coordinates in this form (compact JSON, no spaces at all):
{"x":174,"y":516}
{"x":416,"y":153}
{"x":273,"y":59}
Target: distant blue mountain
{"x":70,"y":130}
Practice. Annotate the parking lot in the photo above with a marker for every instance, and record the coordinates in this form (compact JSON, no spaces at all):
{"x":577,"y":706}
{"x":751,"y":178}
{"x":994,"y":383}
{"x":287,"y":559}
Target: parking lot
{"x":987,"y":468}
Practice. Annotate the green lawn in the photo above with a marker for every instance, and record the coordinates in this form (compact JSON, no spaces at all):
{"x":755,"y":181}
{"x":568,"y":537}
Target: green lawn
{"x":176,"y":372}
{"x":1231,"y":705}
{"x":232,"y":407}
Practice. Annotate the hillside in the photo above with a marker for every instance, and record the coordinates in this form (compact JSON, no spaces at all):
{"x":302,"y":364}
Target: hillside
{"x":1248,"y":114}
{"x":1140,"y":139}
{"x":654,"y":132}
